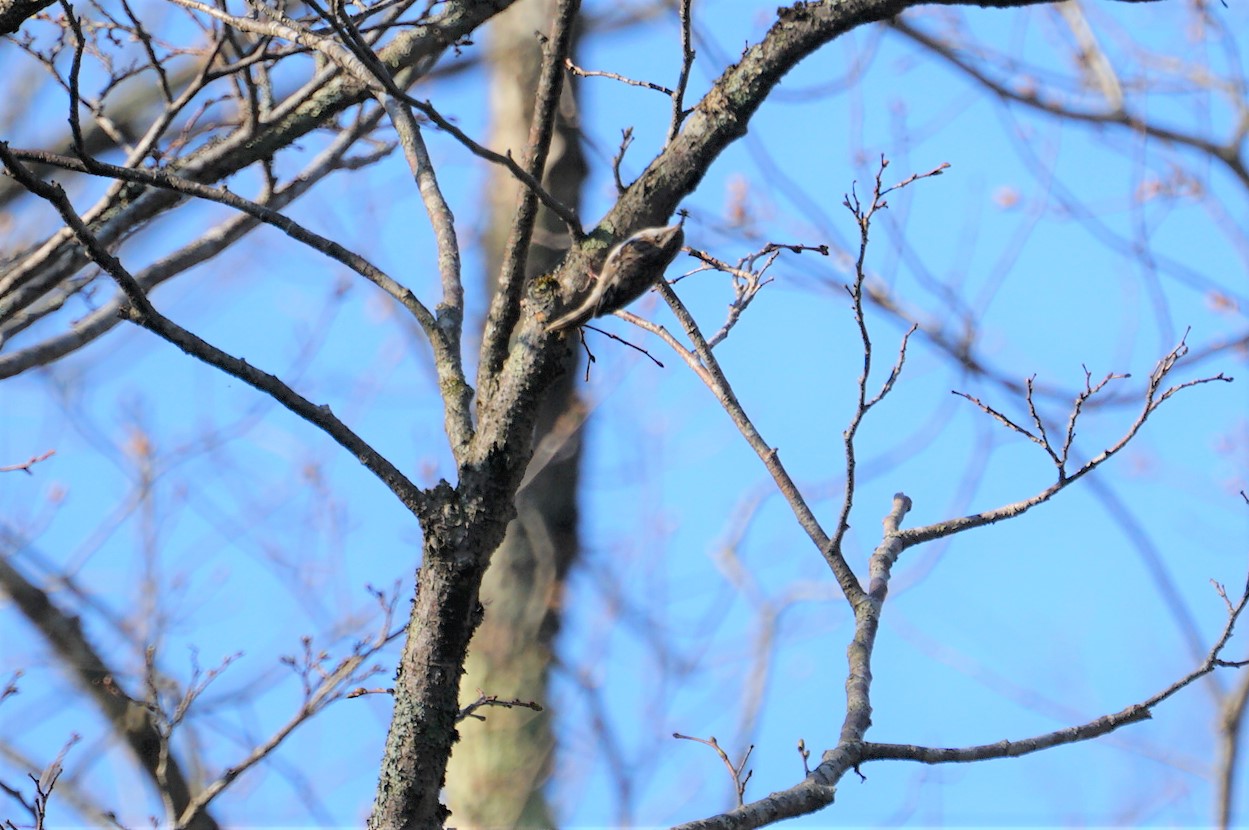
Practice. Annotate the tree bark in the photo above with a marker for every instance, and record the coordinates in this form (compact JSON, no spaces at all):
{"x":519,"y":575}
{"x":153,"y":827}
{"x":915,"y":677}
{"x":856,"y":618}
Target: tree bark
{"x":496,"y":773}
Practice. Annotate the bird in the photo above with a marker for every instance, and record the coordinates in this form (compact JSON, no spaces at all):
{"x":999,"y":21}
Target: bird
{"x":631,"y":267}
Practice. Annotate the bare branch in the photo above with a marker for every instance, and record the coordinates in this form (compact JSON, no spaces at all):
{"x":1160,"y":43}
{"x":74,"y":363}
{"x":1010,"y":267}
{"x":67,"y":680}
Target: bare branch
{"x":13,"y":13}
{"x":817,"y":789}
{"x":28,"y":463}
{"x":327,"y":94}
{"x":483,"y":699}
{"x":735,"y":770}
{"x":863,"y":218}
{"x":687,"y":64}
{"x":505,"y":304}
{"x":141,"y":311}
{"x":133,"y":721}
{"x":330,"y":685}
{"x":213,"y":242}
{"x":1228,"y":154}
{"x":703,"y":362}
{"x":615,"y":76}
{"x":1083,"y":732}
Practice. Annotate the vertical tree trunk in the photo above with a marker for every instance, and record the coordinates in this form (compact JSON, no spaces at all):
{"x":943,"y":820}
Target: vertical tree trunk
{"x":497,"y":771}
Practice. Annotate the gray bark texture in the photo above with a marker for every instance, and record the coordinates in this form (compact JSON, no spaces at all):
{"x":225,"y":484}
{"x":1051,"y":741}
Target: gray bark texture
{"x":497,"y":772}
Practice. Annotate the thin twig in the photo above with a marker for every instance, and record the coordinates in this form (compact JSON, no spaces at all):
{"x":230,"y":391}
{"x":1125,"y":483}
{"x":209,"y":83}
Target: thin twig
{"x":1155,"y":396}
{"x":703,"y":362}
{"x":484,"y":699}
{"x":329,"y":687}
{"x":863,"y":218}
{"x":683,"y":80}
{"x":630,"y":318}
{"x":615,"y":76}
{"x":626,"y":138}
{"x":28,"y":463}
{"x":735,"y":771}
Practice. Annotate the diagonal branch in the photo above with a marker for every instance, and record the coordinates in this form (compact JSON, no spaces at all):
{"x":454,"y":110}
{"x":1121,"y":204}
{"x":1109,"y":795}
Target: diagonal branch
{"x":505,"y":304}
{"x":318,"y":102}
{"x":1072,"y":734}
{"x":1155,"y":396}
{"x":447,"y":333}
{"x":141,"y":311}
{"x":817,"y":790}
{"x":129,"y":717}
{"x":703,"y":362}
{"x":13,"y":13}
{"x":331,"y":686}
{"x":103,"y":318}
{"x":1228,"y":154}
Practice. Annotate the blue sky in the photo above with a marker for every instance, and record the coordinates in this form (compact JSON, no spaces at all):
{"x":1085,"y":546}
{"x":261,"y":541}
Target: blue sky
{"x":259,"y":531}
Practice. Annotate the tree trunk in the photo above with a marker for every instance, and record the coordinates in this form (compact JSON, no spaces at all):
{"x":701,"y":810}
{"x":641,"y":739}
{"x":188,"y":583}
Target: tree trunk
{"x":496,"y":774}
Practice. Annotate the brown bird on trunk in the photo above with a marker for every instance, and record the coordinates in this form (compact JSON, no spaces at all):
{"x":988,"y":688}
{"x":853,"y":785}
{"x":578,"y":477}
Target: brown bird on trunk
{"x":630,"y":268}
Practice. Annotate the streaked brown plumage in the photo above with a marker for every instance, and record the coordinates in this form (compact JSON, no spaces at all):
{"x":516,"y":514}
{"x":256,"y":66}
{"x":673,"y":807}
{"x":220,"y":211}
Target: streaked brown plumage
{"x":629,"y":270}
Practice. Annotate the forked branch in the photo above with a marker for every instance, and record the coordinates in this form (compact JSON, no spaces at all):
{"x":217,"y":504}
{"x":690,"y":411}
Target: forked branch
{"x":1156,"y":393}
{"x":141,"y":311}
